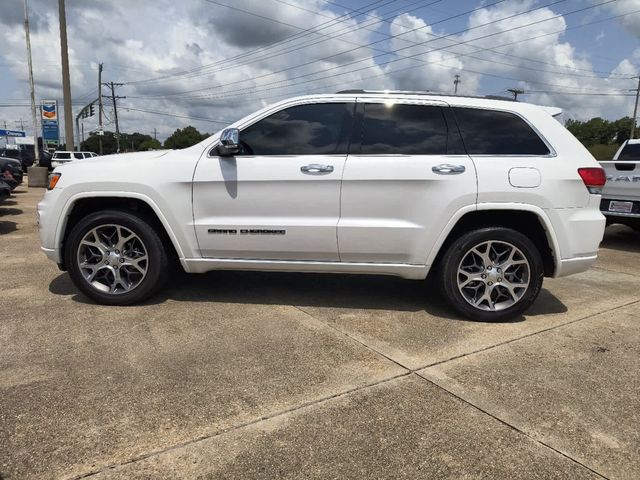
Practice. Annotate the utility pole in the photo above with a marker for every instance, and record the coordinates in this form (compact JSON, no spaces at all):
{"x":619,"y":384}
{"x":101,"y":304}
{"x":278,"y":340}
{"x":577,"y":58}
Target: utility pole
{"x":100,"y":131}
{"x":456,"y":82}
{"x":155,"y":137}
{"x":34,"y":116}
{"x":635,"y":111}
{"x":113,"y":86}
{"x":21,"y":123}
{"x":66,"y":82}
{"x":515,"y":92}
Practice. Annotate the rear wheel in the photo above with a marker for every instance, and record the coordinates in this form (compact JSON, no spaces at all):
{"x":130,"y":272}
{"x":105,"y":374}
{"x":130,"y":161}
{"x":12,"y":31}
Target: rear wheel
{"x":492,"y":274}
{"x":116,"y":258}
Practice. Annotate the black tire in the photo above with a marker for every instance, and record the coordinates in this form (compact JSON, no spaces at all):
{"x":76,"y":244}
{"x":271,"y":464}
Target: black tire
{"x":448,"y":273}
{"x":157,"y":266}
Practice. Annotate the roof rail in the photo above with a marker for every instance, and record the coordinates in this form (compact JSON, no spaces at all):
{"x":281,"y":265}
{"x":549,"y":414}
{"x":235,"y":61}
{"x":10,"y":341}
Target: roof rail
{"x":425,"y":92}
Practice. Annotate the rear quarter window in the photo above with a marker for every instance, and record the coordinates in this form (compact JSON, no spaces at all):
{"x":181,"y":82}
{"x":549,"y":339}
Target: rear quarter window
{"x":631,"y":151}
{"x":492,"y":132}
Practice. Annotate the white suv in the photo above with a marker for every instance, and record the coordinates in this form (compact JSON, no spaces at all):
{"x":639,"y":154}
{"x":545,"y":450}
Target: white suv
{"x":490,"y":195}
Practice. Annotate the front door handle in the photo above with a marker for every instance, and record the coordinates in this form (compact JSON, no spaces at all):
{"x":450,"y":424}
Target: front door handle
{"x":316,"y":169}
{"x":448,"y":169}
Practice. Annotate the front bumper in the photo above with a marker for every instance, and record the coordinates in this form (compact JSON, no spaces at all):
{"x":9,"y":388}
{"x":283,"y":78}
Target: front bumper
{"x":52,"y":254}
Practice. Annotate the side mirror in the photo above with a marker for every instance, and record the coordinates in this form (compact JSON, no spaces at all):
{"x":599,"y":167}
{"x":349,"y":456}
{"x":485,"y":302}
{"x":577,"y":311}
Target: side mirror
{"x":229,"y":142}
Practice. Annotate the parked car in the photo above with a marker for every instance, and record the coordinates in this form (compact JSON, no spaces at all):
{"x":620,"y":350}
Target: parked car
{"x":26,"y":156}
{"x":621,"y":195}
{"x":12,"y":167}
{"x":489,"y":195}
{"x":5,"y":191}
{"x":62,"y":157}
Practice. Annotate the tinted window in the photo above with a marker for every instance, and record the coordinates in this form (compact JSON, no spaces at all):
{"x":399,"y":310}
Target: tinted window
{"x":62,"y":155}
{"x":630,"y":152}
{"x":488,"y":132}
{"x":78,"y":155}
{"x":302,"y":130}
{"x":403,"y":129}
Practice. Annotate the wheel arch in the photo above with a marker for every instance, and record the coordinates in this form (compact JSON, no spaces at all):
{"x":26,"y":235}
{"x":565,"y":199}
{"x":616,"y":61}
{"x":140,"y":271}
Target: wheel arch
{"x":527,"y":219}
{"x":84,"y":204}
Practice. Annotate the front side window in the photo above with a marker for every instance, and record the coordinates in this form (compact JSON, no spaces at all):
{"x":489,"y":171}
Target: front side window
{"x":63,"y":156}
{"x":404,"y":130}
{"x":79,"y":156}
{"x":314,"y":129}
{"x":491,"y":132}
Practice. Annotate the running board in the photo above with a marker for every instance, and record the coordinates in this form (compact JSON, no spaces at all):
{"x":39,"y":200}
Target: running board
{"x":201,"y":265}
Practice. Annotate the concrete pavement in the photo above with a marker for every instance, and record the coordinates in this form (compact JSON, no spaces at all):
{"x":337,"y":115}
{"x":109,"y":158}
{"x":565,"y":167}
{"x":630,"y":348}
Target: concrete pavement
{"x":257,"y":375}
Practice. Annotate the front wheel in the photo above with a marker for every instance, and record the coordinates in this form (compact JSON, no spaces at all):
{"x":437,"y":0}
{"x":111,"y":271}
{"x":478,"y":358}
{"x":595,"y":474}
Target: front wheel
{"x":492,"y":274}
{"x":116,"y":257}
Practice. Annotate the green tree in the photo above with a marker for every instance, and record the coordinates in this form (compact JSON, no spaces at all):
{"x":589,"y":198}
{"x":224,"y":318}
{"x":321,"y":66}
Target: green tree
{"x":92,"y":143}
{"x":128,"y":142}
{"x":150,"y":144}
{"x":185,"y":137}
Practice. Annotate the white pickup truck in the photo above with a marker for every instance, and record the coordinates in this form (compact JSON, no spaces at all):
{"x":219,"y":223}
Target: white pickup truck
{"x":621,"y":195}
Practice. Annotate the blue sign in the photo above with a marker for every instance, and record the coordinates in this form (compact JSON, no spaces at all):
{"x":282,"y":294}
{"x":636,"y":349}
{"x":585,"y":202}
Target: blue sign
{"x":12,"y":133}
{"x":50,"y":132}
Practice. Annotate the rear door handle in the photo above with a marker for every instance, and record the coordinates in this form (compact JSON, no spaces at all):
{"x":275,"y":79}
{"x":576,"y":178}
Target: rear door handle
{"x":448,"y":169}
{"x":316,"y":169}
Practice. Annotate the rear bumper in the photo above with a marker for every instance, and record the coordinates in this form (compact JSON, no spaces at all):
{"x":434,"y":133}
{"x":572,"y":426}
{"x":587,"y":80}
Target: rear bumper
{"x":569,"y":266}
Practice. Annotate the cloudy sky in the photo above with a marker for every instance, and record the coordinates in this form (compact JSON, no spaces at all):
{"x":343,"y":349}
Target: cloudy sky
{"x":209,"y":62}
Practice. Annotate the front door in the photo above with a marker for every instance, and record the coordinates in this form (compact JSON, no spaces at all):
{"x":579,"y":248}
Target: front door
{"x":403,"y":183}
{"x":279,"y":197}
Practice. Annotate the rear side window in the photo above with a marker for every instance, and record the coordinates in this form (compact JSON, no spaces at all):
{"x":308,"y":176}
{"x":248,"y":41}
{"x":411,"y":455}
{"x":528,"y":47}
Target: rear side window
{"x":404,"y":130}
{"x":631,"y":151}
{"x":315,"y":129}
{"x":490,"y":132}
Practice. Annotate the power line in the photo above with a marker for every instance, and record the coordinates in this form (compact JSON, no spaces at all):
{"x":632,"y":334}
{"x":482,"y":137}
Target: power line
{"x":304,"y":32}
{"x":413,"y":56}
{"x":156,"y":112}
{"x":364,"y":46}
{"x":227,"y":94}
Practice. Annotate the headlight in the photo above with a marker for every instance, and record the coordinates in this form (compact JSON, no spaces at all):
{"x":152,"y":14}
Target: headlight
{"x":53,"y":180}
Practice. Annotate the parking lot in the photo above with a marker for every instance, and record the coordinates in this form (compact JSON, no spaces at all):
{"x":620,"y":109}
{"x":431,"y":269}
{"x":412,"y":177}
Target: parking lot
{"x":257,"y":375}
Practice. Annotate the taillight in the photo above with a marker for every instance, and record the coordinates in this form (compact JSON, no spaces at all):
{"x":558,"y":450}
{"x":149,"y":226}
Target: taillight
{"x":593,"y":178}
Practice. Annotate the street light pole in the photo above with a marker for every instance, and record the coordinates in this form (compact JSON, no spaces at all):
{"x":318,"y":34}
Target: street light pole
{"x":66,"y":82}
{"x":31,"y":86}
{"x":635,"y":110}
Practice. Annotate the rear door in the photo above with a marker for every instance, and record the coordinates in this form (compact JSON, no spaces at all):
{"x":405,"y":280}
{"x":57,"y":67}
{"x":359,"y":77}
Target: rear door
{"x":405,"y":177}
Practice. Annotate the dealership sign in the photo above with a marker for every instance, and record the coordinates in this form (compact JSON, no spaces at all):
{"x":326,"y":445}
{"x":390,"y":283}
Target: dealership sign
{"x":50,"y":127}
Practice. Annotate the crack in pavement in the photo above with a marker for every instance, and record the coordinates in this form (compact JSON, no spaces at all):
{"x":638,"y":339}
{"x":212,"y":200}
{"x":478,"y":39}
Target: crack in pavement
{"x":513,"y":427}
{"x":468,"y":402}
{"x":408,"y":371}
{"x":238,"y":426}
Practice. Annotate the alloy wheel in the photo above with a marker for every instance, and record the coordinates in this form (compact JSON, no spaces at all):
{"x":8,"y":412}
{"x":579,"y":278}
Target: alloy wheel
{"x":112,"y":259}
{"x":493,"y":275}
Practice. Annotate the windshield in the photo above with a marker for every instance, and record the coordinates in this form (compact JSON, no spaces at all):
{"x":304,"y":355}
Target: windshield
{"x":631,"y":151}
